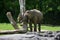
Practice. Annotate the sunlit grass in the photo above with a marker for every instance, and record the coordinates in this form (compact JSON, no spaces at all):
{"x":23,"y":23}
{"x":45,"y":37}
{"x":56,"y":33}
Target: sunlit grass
{"x":8,"y":26}
{"x":52,"y":28}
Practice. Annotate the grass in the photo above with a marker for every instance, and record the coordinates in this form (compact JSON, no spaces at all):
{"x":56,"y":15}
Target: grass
{"x":51,"y":28}
{"x":7,"y":26}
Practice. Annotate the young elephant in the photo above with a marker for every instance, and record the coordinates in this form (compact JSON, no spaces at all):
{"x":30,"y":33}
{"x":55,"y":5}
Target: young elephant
{"x":33,"y":17}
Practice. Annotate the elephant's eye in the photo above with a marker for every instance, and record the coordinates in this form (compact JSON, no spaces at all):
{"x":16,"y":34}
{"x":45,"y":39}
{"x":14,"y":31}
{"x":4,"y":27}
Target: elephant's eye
{"x":27,"y":12}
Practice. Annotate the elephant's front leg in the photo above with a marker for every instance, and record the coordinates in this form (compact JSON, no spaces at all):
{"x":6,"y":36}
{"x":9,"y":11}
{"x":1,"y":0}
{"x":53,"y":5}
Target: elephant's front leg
{"x":35,"y":27}
{"x":30,"y":25}
{"x":39,"y":27}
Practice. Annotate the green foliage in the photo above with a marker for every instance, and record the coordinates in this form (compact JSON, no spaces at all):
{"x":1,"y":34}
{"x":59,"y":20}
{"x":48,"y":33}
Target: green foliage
{"x":32,"y":4}
{"x":50,"y":9}
{"x":51,"y":12}
{"x":9,"y":5}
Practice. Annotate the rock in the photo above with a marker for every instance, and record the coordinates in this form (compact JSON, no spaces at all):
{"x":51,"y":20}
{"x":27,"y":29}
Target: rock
{"x":32,"y":36}
{"x":57,"y":36}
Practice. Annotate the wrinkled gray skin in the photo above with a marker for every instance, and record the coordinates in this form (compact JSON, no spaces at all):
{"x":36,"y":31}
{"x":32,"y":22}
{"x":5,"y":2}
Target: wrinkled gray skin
{"x":33,"y":17}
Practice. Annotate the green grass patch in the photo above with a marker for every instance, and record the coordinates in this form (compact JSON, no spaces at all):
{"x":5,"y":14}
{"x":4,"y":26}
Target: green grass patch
{"x":7,"y":26}
{"x":51,"y":28}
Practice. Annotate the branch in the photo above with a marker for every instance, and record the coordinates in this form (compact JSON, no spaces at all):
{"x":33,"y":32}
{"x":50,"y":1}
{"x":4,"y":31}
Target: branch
{"x":12,"y":31}
{"x":12,"y":21}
